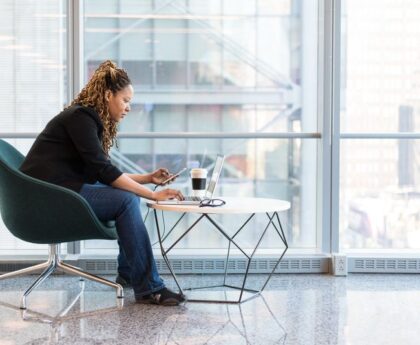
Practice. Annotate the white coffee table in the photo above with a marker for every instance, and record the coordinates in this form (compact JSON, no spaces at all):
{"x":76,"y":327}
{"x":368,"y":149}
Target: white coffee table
{"x":250,"y":206}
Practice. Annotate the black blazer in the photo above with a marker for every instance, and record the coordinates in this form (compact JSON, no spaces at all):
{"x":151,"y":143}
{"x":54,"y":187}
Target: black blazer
{"x":68,"y":152}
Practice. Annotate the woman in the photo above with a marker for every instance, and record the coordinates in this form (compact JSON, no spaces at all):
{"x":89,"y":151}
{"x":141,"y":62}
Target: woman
{"x":73,"y":151}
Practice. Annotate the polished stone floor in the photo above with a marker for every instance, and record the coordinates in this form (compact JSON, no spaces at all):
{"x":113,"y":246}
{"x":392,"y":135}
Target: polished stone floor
{"x":294,"y":309}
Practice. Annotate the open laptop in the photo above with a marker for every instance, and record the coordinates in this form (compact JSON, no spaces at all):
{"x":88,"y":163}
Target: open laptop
{"x":195,"y":200}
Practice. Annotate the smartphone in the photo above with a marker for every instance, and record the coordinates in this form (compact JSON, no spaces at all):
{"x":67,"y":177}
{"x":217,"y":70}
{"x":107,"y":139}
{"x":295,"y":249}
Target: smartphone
{"x":173,"y":176}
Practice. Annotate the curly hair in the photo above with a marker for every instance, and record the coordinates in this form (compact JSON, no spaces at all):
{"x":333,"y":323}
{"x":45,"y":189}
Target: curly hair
{"x":106,"y":77}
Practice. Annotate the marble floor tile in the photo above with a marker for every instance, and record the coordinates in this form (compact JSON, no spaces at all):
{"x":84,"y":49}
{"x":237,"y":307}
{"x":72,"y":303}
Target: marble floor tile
{"x":294,"y":309}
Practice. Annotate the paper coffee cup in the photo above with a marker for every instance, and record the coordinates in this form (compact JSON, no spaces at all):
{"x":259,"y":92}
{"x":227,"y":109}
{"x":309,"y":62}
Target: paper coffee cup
{"x":198,"y":181}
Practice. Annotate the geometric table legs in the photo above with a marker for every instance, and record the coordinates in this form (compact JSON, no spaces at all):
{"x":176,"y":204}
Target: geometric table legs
{"x":273,"y":220}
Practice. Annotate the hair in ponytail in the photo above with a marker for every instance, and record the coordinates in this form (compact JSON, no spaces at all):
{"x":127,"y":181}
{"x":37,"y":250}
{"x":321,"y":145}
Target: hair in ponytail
{"x":106,"y":77}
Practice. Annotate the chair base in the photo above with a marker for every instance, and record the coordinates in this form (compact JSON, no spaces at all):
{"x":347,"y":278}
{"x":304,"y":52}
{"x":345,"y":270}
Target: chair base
{"x":52,"y":264}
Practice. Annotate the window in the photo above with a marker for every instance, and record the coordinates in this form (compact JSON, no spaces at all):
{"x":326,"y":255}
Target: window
{"x":33,"y":56}
{"x":379,"y":194}
{"x":219,"y":67}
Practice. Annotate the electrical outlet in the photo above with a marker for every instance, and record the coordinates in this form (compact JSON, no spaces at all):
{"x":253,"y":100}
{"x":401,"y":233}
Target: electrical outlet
{"x":339,"y":264}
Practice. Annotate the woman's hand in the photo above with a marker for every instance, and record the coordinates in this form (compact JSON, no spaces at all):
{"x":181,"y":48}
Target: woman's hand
{"x":166,"y":194}
{"x":159,"y":175}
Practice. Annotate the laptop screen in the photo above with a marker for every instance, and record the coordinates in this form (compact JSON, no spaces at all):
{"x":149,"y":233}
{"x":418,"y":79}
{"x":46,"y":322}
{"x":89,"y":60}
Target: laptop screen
{"x":215,"y":176}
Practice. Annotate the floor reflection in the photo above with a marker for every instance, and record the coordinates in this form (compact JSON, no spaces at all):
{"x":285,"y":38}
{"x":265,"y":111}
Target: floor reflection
{"x":81,"y":305}
{"x":247,"y":323}
{"x":294,"y":309}
{"x":87,"y":316}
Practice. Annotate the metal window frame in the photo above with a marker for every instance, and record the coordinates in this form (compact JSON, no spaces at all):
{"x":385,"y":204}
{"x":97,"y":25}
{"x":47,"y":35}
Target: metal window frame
{"x":335,"y":125}
{"x":187,"y":135}
{"x":74,"y":68}
{"x":329,"y":124}
{"x":331,"y":129}
{"x":74,"y":47}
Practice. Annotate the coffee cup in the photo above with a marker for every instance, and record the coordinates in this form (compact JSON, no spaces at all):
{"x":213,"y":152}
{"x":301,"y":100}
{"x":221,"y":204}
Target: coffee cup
{"x":198,"y":181}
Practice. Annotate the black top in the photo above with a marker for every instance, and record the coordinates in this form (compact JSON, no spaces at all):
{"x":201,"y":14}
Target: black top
{"x":68,"y":152}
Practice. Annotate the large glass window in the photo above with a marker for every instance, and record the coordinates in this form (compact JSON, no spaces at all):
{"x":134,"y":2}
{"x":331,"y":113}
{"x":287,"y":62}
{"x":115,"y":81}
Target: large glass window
{"x":218,"y":67}
{"x":245,"y":67}
{"x":33,"y":77}
{"x":379,"y":194}
{"x":381,"y":208}
{"x":251,"y":169}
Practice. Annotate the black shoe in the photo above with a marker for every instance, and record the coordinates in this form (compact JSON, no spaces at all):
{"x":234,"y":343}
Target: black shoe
{"x":122,"y":281}
{"x":163,"y":297}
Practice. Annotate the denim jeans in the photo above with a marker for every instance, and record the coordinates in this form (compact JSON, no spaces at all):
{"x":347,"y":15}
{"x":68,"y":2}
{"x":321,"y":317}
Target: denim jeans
{"x":135,"y":259}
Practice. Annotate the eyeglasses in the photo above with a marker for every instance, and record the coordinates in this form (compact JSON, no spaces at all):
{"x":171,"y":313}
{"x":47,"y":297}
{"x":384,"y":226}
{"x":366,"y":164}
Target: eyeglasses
{"x":212,"y":203}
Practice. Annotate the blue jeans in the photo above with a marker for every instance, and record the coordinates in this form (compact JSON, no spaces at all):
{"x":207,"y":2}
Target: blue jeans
{"x":135,"y":260}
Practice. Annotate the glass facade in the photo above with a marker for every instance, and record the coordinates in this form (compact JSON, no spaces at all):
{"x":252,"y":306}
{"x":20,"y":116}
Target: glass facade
{"x":217,"y":67}
{"x":33,"y":56}
{"x":250,"y":67}
{"x":379,"y":196}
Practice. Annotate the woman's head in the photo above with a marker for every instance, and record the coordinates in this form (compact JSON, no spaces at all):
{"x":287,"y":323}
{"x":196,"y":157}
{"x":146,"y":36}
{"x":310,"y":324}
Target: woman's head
{"x":109,"y":92}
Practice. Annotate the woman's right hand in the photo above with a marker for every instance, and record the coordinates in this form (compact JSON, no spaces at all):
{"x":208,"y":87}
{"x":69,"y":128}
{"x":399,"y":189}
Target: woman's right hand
{"x":166,"y":194}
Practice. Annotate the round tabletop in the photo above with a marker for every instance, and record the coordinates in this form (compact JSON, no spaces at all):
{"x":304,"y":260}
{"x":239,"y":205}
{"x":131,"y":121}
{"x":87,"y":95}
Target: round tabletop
{"x":233,"y":205}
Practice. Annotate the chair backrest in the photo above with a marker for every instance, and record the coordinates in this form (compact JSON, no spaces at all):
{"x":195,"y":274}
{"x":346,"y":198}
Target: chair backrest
{"x":10,"y":156}
{"x":40,"y":212}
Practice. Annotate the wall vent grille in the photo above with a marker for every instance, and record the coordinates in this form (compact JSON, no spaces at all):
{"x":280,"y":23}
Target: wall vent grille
{"x":258,"y":265}
{"x":295,"y":265}
{"x":98,"y":266}
{"x":199,"y":265}
{"x":383,"y":265}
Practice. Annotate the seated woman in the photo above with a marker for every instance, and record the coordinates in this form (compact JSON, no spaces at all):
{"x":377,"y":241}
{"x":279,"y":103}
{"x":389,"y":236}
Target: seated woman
{"x":73,"y":151}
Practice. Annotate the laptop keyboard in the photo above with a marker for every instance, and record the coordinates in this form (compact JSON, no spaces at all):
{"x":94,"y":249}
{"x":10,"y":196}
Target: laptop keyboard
{"x":192,"y":198}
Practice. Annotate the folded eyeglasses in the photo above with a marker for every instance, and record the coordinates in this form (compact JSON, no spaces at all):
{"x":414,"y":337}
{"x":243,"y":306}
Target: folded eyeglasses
{"x":212,"y":203}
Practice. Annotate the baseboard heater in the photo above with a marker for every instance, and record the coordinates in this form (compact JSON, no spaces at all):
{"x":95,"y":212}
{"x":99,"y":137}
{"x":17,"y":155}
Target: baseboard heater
{"x":259,"y":265}
{"x":197,"y":265}
{"x":383,"y":265}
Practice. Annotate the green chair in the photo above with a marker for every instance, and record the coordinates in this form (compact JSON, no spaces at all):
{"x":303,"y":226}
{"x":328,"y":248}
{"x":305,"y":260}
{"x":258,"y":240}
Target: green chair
{"x":39,"y":212}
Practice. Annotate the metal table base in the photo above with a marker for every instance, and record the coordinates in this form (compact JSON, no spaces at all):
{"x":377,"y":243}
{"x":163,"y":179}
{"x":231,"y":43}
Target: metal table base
{"x":272,"y":220}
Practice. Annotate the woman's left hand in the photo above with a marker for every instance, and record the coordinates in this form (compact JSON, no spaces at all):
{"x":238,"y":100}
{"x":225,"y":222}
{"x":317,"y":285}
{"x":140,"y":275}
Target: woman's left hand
{"x":159,"y":175}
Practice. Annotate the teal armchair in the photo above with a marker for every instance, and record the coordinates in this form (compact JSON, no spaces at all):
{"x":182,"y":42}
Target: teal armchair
{"x":39,"y":212}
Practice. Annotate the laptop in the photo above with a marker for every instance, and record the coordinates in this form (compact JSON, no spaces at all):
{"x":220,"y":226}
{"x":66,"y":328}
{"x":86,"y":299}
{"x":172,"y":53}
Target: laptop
{"x":195,"y":200}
